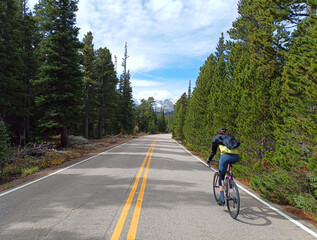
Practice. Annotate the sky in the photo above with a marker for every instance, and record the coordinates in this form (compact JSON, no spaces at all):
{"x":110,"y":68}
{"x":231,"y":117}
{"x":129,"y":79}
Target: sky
{"x":168,"y":40}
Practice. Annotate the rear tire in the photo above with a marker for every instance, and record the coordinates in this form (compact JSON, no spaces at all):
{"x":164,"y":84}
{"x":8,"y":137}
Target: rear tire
{"x":216,"y":187}
{"x":233,"y":200}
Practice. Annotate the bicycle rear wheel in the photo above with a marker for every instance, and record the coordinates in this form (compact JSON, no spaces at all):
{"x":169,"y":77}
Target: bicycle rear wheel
{"x":216,"y":186}
{"x":233,"y":199}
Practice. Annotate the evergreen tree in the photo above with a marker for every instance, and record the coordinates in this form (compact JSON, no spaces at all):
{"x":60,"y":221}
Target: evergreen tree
{"x":89,"y":80}
{"x":296,"y":148}
{"x":59,"y":83}
{"x":194,"y":128}
{"x":161,"y":122}
{"x":12,"y":67}
{"x":146,"y":116}
{"x":105,"y":90}
{"x":30,"y":42}
{"x":189,"y":94}
{"x":179,"y":117}
{"x":126,"y":113}
{"x":4,"y":147}
{"x":262,"y":76}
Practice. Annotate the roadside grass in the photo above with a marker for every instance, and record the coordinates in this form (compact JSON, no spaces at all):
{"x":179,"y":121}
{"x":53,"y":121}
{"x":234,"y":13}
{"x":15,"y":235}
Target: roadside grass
{"x":28,"y":160}
{"x":28,"y":171}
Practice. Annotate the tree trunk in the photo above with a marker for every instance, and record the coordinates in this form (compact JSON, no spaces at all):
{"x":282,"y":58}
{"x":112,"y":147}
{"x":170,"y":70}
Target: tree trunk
{"x":64,"y":137}
{"x":100,"y":126}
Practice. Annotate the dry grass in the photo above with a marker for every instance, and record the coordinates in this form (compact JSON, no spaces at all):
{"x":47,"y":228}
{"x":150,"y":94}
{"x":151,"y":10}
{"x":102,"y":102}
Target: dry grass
{"x":23,"y":167}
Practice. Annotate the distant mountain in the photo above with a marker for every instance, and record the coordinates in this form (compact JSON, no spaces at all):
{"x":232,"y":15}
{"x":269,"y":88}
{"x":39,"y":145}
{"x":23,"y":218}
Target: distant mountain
{"x":167,"y":105}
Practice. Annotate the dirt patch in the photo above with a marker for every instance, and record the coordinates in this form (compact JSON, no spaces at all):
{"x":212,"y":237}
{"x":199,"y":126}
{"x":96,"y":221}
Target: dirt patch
{"x":88,"y":150}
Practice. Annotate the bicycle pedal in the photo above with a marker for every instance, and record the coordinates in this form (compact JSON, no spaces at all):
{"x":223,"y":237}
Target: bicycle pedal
{"x":221,"y":203}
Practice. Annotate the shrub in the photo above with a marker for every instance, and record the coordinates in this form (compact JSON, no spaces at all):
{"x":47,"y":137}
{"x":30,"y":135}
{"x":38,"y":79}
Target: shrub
{"x":136,"y":130}
{"x":51,"y":159}
{"x":4,"y":142}
{"x":28,"y":171}
{"x":279,"y":185}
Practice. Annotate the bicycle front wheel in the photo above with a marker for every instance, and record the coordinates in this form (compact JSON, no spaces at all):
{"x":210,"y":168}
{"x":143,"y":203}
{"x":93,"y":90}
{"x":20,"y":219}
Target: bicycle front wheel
{"x":216,"y":186}
{"x":233,"y":199}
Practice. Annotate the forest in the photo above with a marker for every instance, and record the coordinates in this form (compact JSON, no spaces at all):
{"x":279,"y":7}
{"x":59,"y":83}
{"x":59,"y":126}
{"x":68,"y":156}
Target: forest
{"x":54,"y":85}
{"x":261,"y":85}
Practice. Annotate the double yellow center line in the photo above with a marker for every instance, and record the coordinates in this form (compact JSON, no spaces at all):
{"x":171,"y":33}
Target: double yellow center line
{"x":135,"y":219}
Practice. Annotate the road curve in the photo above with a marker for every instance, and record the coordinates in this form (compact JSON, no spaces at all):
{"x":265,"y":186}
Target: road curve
{"x":148,"y":188}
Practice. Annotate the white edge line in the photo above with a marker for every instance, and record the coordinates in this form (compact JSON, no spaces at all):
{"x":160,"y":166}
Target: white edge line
{"x":258,"y":198}
{"x":58,"y":171}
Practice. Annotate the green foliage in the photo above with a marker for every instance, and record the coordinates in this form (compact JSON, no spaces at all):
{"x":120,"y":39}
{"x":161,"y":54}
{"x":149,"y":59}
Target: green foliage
{"x":106,"y":95}
{"x":4,"y":144}
{"x":29,"y":171}
{"x":145,"y":114}
{"x":89,"y":69}
{"x":17,"y":68}
{"x":161,"y":122}
{"x":59,"y":83}
{"x":194,"y":124}
{"x":278,"y":185}
{"x":125,"y":114}
{"x":179,"y":117}
{"x":306,"y":202}
{"x":146,"y":118}
{"x":262,"y":86}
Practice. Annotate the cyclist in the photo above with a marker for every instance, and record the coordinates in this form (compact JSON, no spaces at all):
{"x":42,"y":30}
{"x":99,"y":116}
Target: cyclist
{"x":229,"y":154}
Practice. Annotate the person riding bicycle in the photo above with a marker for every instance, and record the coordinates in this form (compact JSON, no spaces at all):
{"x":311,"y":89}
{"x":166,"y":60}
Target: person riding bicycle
{"x":229,"y":154}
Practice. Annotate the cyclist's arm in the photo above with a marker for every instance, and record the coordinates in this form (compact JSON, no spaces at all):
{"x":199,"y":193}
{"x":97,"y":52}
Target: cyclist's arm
{"x":215,"y":144}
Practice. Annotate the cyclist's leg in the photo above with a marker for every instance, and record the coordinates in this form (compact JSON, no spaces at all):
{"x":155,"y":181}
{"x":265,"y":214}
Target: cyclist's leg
{"x":234,"y":158}
{"x":223,"y":166}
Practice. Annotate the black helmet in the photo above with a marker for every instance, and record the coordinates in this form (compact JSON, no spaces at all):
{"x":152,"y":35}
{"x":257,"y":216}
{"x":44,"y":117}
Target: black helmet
{"x":222,"y":130}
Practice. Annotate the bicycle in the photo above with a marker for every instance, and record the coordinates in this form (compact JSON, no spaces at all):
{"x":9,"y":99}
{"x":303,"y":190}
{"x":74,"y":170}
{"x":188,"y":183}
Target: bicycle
{"x":232,"y":197}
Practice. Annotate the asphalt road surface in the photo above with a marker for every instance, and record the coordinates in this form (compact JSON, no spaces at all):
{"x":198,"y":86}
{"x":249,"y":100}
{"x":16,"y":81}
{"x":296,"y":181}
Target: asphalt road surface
{"x":149,"y":188}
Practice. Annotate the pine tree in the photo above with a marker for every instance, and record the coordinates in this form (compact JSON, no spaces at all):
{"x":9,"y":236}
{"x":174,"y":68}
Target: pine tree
{"x":30,"y":42}
{"x":179,"y":117}
{"x":161,"y":122}
{"x":106,"y":83}
{"x":126,"y":113}
{"x":189,"y":94}
{"x":146,"y":116}
{"x":261,"y":78}
{"x":195,"y":123}
{"x":297,"y":141}
{"x":59,"y":83}
{"x":89,"y":79}
{"x":4,"y":147}
{"x":12,"y":66}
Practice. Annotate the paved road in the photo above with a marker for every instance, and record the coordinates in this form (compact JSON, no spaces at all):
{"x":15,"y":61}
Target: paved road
{"x":148,"y":188}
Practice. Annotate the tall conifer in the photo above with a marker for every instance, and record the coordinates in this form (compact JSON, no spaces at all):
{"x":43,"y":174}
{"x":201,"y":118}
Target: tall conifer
{"x":59,"y":82}
{"x":12,"y":88}
{"x":126,"y":112}
{"x":194,"y":128}
{"x":106,"y":82}
{"x":179,"y":117}
{"x":89,"y":80}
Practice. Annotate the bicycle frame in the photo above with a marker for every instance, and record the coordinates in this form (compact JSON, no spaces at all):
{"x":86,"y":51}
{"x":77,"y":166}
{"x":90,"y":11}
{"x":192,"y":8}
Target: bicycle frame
{"x":232,"y":197}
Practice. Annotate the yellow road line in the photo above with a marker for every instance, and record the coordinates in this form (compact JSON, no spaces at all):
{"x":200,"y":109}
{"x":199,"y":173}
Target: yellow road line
{"x":117,"y":231}
{"x":137,"y":210}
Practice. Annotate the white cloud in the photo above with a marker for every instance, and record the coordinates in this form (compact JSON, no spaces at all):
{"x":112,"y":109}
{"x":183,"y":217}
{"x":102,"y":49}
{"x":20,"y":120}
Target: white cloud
{"x":145,"y":83}
{"x":160,"y":34}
